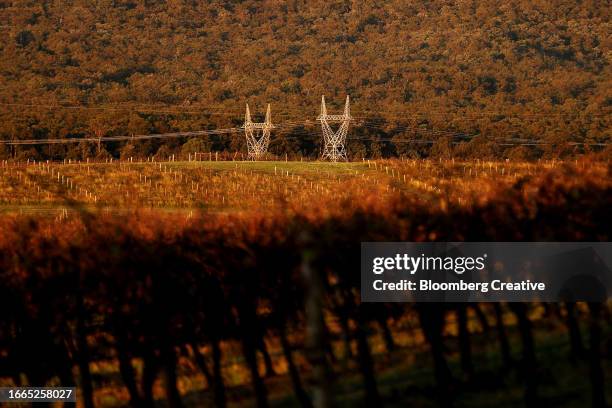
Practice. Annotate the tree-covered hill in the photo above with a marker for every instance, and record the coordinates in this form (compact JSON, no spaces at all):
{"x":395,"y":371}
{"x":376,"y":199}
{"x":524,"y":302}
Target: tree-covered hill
{"x":497,"y":70}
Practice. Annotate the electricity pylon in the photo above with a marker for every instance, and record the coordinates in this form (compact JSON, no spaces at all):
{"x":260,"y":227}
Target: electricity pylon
{"x":334,"y":149}
{"x":257,"y":134}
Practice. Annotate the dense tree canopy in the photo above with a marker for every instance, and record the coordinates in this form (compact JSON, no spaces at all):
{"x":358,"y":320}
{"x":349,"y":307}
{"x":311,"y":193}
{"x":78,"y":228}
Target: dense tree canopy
{"x":519,"y":70}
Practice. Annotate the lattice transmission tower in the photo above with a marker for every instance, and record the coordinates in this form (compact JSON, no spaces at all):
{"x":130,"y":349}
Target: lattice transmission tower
{"x":257,"y":134}
{"x":334,"y":148}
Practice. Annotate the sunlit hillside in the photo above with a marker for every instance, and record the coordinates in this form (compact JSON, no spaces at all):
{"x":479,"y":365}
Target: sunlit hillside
{"x":511,"y":72}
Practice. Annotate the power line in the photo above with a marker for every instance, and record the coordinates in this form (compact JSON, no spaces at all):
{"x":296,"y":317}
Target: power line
{"x":294,"y":131}
{"x":120,"y":138}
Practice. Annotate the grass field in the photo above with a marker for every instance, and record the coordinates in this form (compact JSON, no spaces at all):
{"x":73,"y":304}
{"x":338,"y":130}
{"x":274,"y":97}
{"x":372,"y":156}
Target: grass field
{"x":240,"y":186}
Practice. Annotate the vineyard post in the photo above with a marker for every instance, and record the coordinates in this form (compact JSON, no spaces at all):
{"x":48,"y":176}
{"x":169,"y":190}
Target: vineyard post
{"x":315,"y":330}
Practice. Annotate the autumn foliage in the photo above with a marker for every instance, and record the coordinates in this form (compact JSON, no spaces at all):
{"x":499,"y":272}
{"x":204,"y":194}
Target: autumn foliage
{"x":148,"y":291}
{"x":507,"y":79}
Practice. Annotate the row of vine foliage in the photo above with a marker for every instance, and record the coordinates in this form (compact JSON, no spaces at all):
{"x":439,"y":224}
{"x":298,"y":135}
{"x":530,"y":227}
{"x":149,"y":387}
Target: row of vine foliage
{"x":154,"y":288}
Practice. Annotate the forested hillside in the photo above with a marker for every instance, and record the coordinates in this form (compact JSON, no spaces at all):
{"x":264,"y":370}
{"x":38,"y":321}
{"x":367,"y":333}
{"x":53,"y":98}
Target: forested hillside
{"x":494,"y":74}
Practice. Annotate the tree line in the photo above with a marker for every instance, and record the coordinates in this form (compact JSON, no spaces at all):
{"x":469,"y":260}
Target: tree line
{"x":518,"y":70}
